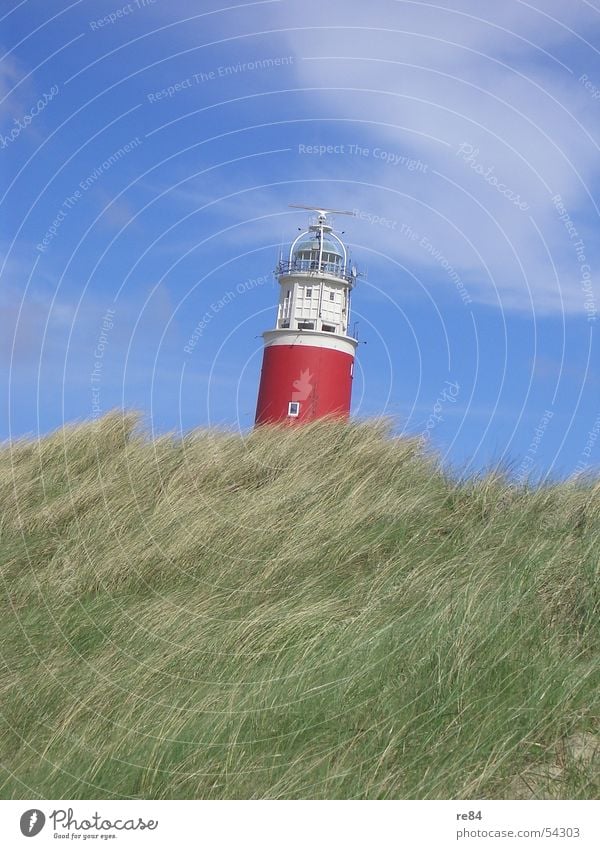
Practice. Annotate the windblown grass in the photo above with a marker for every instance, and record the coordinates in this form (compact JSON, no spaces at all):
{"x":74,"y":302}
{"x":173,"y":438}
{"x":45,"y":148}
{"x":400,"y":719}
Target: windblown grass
{"x":312,"y":612}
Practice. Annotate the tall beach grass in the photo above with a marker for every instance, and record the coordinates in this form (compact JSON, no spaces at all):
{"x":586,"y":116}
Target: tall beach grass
{"x":315,"y":612}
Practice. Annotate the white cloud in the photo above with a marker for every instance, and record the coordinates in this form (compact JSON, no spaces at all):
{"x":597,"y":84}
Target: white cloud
{"x":419,"y":79}
{"x":429,"y":80}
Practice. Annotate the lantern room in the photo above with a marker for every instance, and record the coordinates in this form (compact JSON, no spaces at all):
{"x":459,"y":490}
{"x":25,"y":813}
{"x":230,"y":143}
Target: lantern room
{"x":315,"y":282}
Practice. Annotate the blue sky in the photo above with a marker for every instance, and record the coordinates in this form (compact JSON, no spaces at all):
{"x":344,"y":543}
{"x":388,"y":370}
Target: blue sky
{"x":150,"y":151}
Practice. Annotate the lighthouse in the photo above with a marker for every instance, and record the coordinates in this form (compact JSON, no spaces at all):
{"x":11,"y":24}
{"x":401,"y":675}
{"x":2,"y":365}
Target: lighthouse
{"x":308,"y":358}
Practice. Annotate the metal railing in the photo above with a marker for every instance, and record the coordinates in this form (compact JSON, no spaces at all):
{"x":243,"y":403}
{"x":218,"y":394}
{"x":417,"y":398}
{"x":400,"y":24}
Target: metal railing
{"x":309,"y":266}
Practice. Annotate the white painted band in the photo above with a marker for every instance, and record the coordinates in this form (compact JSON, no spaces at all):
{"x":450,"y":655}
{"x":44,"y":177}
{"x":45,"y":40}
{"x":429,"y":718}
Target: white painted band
{"x":312,"y":338}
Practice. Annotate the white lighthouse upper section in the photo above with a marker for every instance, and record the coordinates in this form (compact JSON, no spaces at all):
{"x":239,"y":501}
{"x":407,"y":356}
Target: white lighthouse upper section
{"x":316,"y":280}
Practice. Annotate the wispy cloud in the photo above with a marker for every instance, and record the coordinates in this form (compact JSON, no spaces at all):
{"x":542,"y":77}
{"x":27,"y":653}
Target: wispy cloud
{"x":488,"y":98}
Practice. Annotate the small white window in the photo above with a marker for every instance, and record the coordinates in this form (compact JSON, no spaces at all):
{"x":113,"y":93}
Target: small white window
{"x":332,"y":296}
{"x":351,"y":369}
{"x":294,"y":408}
{"x":309,"y":292}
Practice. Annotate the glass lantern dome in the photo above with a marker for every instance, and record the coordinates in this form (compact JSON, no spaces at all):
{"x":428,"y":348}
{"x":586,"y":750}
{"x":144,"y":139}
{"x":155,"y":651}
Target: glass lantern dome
{"x":309,"y":253}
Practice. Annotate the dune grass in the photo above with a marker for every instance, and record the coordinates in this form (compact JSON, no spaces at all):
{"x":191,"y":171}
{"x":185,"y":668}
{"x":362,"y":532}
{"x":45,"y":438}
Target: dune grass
{"x":315,"y":612}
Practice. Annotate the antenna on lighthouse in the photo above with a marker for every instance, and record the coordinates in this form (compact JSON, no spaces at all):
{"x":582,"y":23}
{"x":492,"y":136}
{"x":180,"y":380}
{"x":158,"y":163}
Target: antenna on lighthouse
{"x":322,"y":212}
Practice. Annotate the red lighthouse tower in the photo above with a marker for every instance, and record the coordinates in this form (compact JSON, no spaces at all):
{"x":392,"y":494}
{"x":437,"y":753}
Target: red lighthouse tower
{"x":308,"y":360}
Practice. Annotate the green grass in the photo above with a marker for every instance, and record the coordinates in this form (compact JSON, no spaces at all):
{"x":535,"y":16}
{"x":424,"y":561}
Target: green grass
{"x":315,"y":612}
